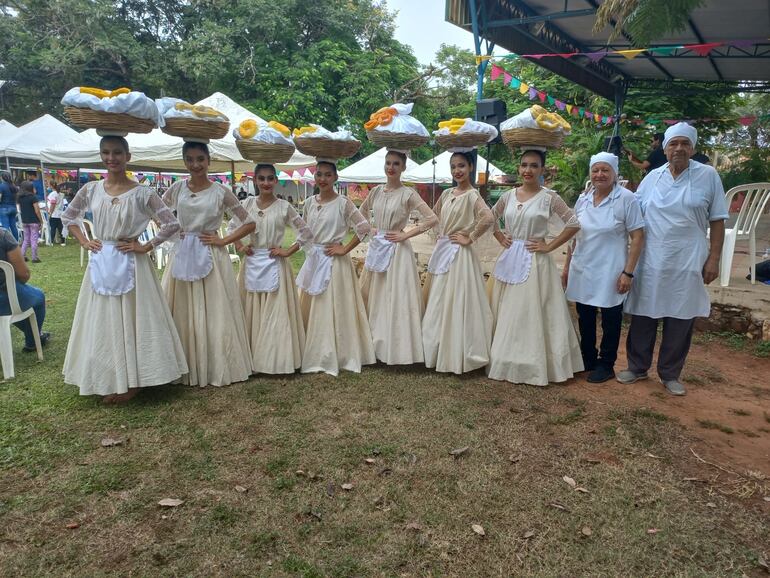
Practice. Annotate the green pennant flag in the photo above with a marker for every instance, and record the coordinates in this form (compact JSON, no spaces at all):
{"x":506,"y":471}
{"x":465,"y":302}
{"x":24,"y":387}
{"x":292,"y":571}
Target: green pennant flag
{"x":551,"y":100}
{"x":665,"y":50}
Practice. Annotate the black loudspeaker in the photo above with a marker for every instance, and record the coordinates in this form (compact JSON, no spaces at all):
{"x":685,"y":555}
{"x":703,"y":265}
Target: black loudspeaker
{"x":492,"y":111}
{"x":614,"y":145}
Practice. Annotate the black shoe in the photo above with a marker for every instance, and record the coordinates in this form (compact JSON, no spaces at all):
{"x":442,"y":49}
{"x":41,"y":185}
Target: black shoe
{"x":26,"y":260}
{"x":44,"y":338}
{"x":36,"y":261}
{"x":600,"y":375}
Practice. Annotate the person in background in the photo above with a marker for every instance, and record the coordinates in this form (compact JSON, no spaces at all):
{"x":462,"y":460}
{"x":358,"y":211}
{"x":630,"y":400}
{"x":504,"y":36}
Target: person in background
{"x":8,"y":209}
{"x":28,"y":295}
{"x":37,"y":184}
{"x":56,"y":205}
{"x":31,"y":218}
{"x":656,"y":158}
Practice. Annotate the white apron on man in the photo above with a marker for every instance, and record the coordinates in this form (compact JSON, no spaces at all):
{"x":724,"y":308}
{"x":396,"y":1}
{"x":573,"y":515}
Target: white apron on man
{"x":668,"y":281}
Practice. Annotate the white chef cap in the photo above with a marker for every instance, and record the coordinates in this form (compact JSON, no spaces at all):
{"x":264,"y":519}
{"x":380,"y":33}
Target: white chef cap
{"x":681,"y":129}
{"x":603,"y":157}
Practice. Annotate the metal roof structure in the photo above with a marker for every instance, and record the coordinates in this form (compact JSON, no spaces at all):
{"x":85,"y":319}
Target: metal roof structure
{"x":740,"y":27}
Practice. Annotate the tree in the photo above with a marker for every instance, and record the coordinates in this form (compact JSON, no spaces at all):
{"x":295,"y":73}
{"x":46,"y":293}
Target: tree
{"x":644,"y":20}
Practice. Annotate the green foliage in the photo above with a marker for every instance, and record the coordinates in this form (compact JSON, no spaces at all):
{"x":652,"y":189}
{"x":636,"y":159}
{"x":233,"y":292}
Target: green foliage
{"x":645,"y":20}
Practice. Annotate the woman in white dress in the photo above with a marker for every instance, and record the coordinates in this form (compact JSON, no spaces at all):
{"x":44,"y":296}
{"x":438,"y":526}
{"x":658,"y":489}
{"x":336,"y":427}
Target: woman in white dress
{"x":457,"y":325}
{"x":266,"y":283}
{"x":390,"y":284}
{"x":199,"y":281}
{"x":123,"y":336}
{"x":337,"y":329}
{"x":600,"y":267}
{"x":534,"y":340}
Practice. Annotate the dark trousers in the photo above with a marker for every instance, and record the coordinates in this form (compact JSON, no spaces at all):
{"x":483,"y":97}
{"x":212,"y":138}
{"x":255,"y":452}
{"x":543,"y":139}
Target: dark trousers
{"x":612,"y":318}
{"x":29,"y":296}
{"x":674,"y":346}
{"x":56,"y":225}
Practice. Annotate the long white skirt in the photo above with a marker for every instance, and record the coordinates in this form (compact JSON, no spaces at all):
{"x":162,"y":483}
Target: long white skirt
{"x":209,"y":317}
{"x":338,"y":335}
{"x":274,"y":323}
{"x":394,"y":303}
{"x":534,"y":338}
{"x":457,"y":325}
{"x":124,"y":341}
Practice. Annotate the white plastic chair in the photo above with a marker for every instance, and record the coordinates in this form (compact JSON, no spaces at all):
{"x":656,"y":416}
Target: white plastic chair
{"x":6,"y":342}
{"x":234,"y":256}
{"x":45,"y":228}
{"x":88,"y":230}
{"x":752,"y":208}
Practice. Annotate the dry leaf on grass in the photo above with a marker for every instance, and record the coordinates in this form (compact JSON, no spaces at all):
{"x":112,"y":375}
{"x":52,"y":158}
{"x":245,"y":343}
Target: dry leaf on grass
{"x":414,"y":526}
{"x":586,"y":531}
{"x":478,"y":529}
{"x":170,"y":502}
{"x":73,"y":525}
{"x":241,"y":489}
{"x":300,"y":473}
{"x":711,"y":504}
{"x":763,"y":563}
{"x":330,"y":489}
{"x":370,"y":461}
{"x":570,"y":481}
{"x":528,"y":534}
{"x":559,"y":506}
{"x":347,"y":487}
{"x":653,"y":456}
{"x":459,"y":451}
{"x":581,"y":490}
{"x":766,"y":498}
{"x":386,"y":471}
{"x":112,"y":442}
{"x":514,"y":458}
{"x":653,"y":530}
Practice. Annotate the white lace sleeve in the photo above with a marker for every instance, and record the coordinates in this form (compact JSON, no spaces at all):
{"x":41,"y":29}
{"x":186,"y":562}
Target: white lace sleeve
{"x":437,"y":212}
{"x":73,"y":215}
{"x":356,"y":220}
{"x":562,"y":210}
{"x":428,"y":218}
{"x":161,"y":213}
{"x":234,"y":223}
{"x":304,"y":234}
{"x":366,"y":207}
{"x":499,"y":209}
{"x":235,"y":210}
{"x":483,"y":218}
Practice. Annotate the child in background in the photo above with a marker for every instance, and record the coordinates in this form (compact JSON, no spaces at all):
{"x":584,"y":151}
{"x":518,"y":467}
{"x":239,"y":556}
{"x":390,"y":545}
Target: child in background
{"x":31,"y":219}
{"x":56,"y":205}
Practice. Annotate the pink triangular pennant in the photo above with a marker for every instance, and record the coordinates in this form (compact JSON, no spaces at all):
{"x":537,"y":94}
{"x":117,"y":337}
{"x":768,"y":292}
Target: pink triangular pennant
{"x":541,"y":96}
{"x":507,"y":78}
{"x":747,"y":120}
{"x":703,"y":49}
{"x":496,"y":72}
{"x":560,"y":105}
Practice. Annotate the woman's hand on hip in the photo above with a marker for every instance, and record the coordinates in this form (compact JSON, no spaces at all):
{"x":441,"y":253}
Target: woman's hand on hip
{"x":211,"y":238}
{"x":94,"y":245}
{"x":334,"y":250}
{"x":460,"y":239}
{"x":396,"y":236}
{"x":133,"y":246}
{"x":537,"y":246}
{"x":503,"y":238}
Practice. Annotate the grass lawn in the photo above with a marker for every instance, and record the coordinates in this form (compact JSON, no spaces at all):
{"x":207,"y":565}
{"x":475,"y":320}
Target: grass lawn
{"x":315,"y":476}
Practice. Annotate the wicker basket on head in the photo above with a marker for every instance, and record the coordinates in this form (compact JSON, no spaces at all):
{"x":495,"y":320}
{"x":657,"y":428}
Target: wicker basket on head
{"x":462,"y":139}
{"x":326,"y":147}
{"x":396,"y":140}
{"x":515,"y":138}
{"x":261,"y":152}
{"x":196,"y":128}
{"x":107,"y":121}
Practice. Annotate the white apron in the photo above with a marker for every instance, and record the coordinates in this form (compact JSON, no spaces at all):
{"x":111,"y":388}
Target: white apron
{"x":112,"y":272}
{"x":514,"y":263}
{"x":380,"y":254}
{"x":442,"y":257}
{"x":192,"y":259}
{"x":600,"y":256}
{"x":668,"y":280}
{"x":261,"y":273}
{"x":316,"y":272}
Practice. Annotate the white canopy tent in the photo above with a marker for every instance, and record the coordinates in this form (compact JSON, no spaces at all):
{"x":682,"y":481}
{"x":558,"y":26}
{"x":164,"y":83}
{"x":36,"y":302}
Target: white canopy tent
{"x":370,"y":169}
{"x":22,"y":146}
{"x":158,"y":151}
{"x":424,"y":174}
{"x":6,"y":130}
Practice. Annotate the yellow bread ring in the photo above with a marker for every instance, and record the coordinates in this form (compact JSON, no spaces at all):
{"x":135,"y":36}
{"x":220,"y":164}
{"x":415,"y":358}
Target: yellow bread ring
{"x":101,"y":93}
{"x":303,"y":130}
{"x":537,"y":110}
{"x":202,"y":110}
{"x":248,"y":128}
{"x":284,"y":130}
{"x":547,"y":122}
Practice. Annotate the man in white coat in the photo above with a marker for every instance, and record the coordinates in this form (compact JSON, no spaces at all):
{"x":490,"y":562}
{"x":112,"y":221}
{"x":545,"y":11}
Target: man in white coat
{"x":680,"y":201}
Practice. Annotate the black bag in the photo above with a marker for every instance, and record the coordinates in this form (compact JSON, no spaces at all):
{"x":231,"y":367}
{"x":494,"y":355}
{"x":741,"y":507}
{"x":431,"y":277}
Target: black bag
{"x":763,"y":271}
